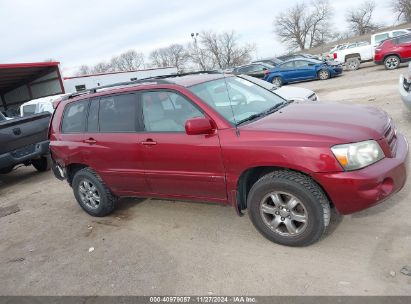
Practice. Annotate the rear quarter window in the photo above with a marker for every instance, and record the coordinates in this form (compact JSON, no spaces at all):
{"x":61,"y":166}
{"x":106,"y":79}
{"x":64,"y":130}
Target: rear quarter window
{"x":74,"y":117}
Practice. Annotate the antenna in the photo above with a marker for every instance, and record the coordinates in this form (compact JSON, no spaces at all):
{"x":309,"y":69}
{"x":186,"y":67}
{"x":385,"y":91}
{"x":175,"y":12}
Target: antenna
{"x":237,"y":131}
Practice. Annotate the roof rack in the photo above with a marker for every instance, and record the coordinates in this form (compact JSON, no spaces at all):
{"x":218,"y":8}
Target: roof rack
{"x":117,"y":84}
{"x":155,"y":79}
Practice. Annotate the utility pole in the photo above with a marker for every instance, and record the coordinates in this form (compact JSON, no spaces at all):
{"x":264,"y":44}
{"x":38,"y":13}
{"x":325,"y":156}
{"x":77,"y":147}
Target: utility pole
{"x":200,"y":61}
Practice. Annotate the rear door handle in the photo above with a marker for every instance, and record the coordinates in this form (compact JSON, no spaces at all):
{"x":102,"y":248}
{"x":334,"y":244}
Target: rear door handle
{"x":149,"y":142}
{"x":90,"y":141}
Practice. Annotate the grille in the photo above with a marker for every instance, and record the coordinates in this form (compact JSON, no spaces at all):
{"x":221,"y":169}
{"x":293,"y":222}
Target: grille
{"x":391,"y":137}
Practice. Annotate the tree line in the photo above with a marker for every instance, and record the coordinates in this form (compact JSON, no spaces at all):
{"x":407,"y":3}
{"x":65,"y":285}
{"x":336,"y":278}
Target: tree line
{"x":309,"y":24}
{"x":303,"y":26}
{"x":209,"y":50}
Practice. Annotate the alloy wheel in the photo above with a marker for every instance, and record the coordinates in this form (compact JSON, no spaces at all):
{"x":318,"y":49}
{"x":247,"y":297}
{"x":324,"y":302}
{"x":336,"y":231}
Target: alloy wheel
{"x":392,"y":63}
{"x":89,"y":194}
{"x":284,"y":213}
{"x":324,"y":74}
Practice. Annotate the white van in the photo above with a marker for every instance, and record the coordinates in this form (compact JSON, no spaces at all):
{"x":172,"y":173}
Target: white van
{"x":39,"y":105}
{"x":376,"y":39}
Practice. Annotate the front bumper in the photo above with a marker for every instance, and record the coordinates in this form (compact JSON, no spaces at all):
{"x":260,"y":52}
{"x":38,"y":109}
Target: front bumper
{"x":357,"y":190}
{"x":336,"y":71}
{"x":24,"y":154}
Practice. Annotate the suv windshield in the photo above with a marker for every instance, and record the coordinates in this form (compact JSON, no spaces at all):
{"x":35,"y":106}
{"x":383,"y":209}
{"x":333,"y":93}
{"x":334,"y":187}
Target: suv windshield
{"x":237,"y":99}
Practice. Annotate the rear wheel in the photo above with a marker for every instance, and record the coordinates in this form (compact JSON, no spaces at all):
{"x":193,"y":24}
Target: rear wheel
{"x":323,"y":74}
{"x":42,"y":164}
{"x":92,"y":194}
{"x":277,"y":81}
{"x":288,"y":208}
{"x":392,"y":62}
{"x":353,"y":64}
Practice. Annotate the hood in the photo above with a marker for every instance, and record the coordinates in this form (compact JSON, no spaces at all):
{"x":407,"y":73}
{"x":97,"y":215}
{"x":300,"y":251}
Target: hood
{"x":338,"y":123}
{"x":290,"y":93}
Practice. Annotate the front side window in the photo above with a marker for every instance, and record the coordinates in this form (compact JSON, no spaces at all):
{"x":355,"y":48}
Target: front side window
{"x":118,"y":113}
{"x":404,"y":39}
{"x":74,"y":119}
{"x":165,"y":111}
{"x":235,"y":98}
{"x":398,"y":33}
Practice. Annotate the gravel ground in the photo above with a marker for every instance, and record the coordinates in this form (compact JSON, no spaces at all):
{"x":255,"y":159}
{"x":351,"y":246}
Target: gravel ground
{"x":152,"y":247}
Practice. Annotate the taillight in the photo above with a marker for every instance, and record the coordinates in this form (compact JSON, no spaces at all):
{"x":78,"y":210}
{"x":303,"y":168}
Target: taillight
{"x":378,"y":50}
{"x":335,"y":55}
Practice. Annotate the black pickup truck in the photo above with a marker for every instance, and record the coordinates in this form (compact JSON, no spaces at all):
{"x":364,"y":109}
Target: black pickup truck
{"x":23,"y":140}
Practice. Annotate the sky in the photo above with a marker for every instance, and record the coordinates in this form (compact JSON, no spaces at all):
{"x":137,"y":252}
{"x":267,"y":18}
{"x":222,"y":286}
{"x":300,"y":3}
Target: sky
{"x":77,"y":32}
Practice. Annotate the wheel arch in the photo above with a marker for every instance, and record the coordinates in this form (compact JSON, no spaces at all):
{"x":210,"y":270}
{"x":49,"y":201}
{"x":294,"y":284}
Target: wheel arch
{"x":353,"y":55}
{"x":251,"y":175}
{"x":72,"y":169}
{"x":392,"y":54}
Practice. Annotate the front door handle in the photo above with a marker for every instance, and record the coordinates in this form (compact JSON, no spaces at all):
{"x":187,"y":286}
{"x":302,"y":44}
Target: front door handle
{"x":149,"y":142}
{"x":90,"y":141}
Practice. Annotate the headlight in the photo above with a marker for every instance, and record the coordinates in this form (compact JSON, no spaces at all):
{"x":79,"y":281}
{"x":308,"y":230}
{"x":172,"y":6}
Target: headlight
{"x":358,"y":155}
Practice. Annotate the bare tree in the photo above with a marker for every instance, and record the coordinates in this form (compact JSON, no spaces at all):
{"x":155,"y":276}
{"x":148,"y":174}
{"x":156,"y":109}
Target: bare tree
{"x":127,"y":61}
{"x":304,"y":26}
{"x":220,"y":50}
{"x":83,"y":70}
{"x":173,"y":55}
{"x":360,"y":18}
{"x":402,"y":8}
{"x":101,"y":67}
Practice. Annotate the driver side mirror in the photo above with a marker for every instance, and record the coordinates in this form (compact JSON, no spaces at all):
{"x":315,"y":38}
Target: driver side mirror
{"x":198,"y":126}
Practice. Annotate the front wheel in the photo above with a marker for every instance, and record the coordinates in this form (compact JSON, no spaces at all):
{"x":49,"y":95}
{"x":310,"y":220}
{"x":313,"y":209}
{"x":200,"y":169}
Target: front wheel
{"x":288,"y":208}
{"x":392,"y":62}
{"x":277,"y":81}
{"x":92,"y":194}
{"x":323,"y":74}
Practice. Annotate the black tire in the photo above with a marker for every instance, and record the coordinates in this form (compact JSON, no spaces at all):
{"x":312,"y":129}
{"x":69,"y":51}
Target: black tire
{"x":42,"y":164}
{"x":353,"y":64}
{"x":315,"y":203}
{"x":392,"y":62}
{"x":107,"y":201}
{"x":323,"y":74}
{"x":277,"y":81}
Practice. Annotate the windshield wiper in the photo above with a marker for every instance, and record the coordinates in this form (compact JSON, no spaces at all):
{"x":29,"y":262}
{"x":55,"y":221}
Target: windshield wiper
{"x":271,"y":110}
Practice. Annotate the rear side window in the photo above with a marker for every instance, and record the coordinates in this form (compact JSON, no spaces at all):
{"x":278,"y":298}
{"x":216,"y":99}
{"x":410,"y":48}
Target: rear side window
{"x":118,"y":113}
{"x":74,"y":119}
{"x":381,"y":37}
{"x":287,"y":65}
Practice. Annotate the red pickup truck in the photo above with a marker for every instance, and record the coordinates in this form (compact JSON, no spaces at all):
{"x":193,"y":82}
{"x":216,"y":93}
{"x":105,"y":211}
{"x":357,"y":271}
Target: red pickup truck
{"x":218,"y":138}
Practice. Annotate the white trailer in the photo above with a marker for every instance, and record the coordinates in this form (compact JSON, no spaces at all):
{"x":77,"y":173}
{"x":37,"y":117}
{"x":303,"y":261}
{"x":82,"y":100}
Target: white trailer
{"x":80,"y":83}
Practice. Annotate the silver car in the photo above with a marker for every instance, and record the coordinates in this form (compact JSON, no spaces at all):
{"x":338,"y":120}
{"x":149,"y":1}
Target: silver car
{"x":287,"y":92}
{"x":405,"y":87}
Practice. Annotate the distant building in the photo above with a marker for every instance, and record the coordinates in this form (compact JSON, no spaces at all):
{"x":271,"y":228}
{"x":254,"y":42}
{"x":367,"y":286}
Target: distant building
{"x":80,"y":83}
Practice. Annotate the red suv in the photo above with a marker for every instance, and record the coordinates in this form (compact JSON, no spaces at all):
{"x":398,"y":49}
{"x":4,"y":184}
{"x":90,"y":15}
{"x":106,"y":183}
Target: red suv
{"x":393,"y":51}
{"x":218,"y":138}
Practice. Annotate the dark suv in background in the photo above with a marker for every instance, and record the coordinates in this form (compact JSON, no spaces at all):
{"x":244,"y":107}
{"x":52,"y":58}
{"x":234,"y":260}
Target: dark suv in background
{"x":209,"y":137}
